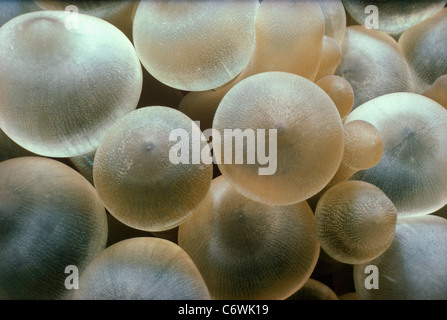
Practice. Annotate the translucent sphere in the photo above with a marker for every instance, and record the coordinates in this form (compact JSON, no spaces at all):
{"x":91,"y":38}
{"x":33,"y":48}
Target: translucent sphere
{"x":340,"y":91}
{"x":373,"y":64}
{"x":62,"y":87}
{"x":9,"y":149}
{"x":394,"y":17}
{"x":330,"y":58}
{"x":137,"y":177}
{"x":195,"y":45}
{"x":438,"y":91}
{"x":411,"y":171}
{"x":202,"y":105}
{"x":50,"y":218}
{"x":248,"y":250}
{"x":355,"y":222}
{"x":119,"y":13}
{"x":294,"y":141}
{"x":334,"y":18}
{"x":314,"y":290}
{"x":425,"y":48}
{"x":289,"y":38}
{"x":413,"y":267}
{"x":142,"y":268}
{"x":13,"y":8}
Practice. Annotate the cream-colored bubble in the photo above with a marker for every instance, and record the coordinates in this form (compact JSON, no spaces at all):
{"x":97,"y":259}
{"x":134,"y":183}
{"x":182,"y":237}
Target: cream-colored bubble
{"x":195,"y":45}
{"x":61,"y":88}
{"x":142,"y":268}
{"x":373,"y":64}
{"x":355,"y":222}
{"x":413,"y":266}
{"x":135,"y":176}
{"x":118,"y":13}
{"x":438,"y":91}
{"x":335,"y":19}
{"x":414,"y":133}
{"x":302,"y":132}
{"x":248,"y":250}
{"x":425,"y":48}
{"x":51,"y":218}
{"x":363,"y":149}
{"x":392,"y":17}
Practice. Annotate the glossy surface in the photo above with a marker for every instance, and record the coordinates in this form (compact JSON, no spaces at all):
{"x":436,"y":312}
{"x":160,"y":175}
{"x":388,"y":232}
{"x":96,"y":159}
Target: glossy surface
{"x":373,"y":64}
{"x":50,"y":218}
{"x":309,"y":136}
{"x":248,"y":250}
{"x":425,"y":48}
{"x":85,"y":89}
{"x":355,"y":222}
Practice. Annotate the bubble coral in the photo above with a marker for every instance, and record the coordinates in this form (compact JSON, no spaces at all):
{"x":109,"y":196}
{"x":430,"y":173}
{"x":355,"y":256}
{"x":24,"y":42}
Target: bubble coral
{"x":95,"y":77}
{"x":413,"y":267}
{"x":425,"y":48}
{"x":411,"y":169}
{"x":13,"y":8}
{"x":355,"y":222}
{"x":195,"y":45}
{"x":340,"y":91}
{"x":307,"y":146}
{"x":248,"y":250}
{"x":135,"y":177}
{"x":438,"y":91}
{"x":118,"y":13}
{"x":50,"y":218}
{"x":314,"y":290}
{"x":363,"y":149}
{"x":334,"y":18}
{"x":142,"y":268}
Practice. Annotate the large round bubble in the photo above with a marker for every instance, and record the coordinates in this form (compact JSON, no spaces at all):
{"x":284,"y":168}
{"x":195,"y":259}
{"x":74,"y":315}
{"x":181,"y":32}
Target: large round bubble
{"x":51,"y":218}
{"x":248,"y":250}
{"x":63,"y":85}
{"x":355,"y":222}
{"x":411,"y":170}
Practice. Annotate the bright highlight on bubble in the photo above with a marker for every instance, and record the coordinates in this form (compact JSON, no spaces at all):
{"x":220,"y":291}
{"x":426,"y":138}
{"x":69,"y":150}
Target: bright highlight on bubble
{"x":136,"y":178}
{"x":59,"y":90}
{"x":248,"y":250}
